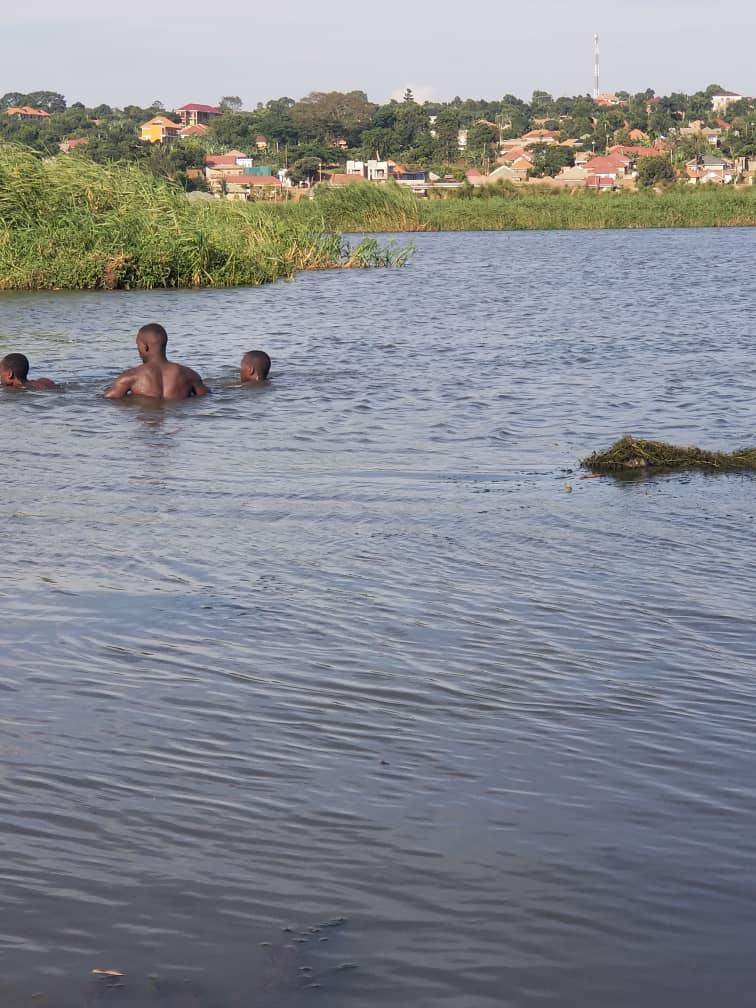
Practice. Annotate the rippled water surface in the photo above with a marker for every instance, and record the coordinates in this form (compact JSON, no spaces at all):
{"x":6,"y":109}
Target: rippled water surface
{"x":342,"y":655}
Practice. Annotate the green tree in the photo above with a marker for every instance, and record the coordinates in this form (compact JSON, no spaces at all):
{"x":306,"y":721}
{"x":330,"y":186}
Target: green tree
{"x":326,"y":115}
{"x":230,"y":103}
{"x":549,"y":159}
{"x":654,"y":171}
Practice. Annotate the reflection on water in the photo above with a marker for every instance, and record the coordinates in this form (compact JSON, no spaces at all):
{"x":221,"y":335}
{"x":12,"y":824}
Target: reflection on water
{"x":340,"y":656}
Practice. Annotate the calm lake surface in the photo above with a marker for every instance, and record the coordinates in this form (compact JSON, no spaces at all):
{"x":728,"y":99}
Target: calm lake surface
{"x":342,"y":655}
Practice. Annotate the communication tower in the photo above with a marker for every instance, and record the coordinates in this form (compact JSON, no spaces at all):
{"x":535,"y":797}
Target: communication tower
{"x":595,"y":66}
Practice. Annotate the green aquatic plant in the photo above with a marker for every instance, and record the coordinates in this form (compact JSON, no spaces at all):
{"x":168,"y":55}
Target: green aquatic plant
{"x":639,"y":453}
{"x":68,"y":223}
{"x":368,"y":207}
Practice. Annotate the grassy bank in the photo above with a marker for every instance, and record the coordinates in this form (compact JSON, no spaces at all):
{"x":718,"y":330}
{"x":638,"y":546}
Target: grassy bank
{"x":388,"y":208}
{"x":67,"y":223}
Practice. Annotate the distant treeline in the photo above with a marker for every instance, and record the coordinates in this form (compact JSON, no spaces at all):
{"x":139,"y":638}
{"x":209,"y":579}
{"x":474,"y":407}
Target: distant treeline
{"x":324,"y":128}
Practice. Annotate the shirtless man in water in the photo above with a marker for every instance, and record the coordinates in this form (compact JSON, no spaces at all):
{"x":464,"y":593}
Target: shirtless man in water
{"x":157,"y":377}
{"x":14,"y":371}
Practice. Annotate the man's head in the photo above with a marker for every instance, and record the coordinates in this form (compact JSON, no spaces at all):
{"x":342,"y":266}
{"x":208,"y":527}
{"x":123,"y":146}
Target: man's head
{"x":254,"y":367}
{"x":151,"y":341}
{"x":14,"y":369}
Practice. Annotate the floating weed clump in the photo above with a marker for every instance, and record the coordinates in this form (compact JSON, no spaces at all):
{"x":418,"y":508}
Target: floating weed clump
{"x":640,"y":453}
{"x":68,"y":223}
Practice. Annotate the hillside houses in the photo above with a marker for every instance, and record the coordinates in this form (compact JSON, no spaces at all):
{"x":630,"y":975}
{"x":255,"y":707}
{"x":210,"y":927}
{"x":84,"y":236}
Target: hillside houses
{"x":709,"y":168}
{"x":195,"y":114}
{"x":27,"y":113}
{"x":159,"y":129}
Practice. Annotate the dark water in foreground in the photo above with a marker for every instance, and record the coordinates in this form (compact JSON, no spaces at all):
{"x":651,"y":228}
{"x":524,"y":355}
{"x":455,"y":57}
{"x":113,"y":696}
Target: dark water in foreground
{"x":345,"y":648}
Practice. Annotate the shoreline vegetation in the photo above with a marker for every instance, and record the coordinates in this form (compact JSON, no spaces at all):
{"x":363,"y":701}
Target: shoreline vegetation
{"x":68,"y":223}
{"x":71,"y":224}
{"x":388,"y":208}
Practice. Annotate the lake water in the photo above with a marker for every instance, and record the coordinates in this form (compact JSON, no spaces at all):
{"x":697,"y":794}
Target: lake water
{"x":342,"y":655}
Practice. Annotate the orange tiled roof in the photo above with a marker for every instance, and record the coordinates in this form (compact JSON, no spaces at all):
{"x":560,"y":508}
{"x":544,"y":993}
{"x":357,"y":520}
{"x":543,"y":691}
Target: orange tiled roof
{"x":27,"y":111}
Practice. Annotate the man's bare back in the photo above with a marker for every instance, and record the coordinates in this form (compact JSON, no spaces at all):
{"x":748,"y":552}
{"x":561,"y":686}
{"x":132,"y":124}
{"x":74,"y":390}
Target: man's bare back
{"x":157,"y":377}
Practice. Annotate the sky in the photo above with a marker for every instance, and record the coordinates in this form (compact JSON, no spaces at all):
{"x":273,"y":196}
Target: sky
{"x":176,"y":52}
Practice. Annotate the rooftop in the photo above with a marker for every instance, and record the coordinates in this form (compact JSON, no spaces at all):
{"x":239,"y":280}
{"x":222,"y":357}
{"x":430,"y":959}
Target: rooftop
{"x":196,"y":107}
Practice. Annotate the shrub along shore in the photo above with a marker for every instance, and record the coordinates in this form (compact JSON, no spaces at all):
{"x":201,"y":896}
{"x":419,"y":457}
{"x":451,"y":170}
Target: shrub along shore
{"x":68,"y":223}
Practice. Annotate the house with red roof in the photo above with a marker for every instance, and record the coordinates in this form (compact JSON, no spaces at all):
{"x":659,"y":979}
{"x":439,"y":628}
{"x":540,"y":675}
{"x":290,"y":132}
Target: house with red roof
{"x":26,"y":112}
{"x":606,"y":172}
{"x":195,"y":114}
{"x":539,"y":136}
{"x":195,"y":130}
{"x":608,"y":101}
{"x":615,"y":165}
{"x":600,"y":183}
{"x":72,"y":144}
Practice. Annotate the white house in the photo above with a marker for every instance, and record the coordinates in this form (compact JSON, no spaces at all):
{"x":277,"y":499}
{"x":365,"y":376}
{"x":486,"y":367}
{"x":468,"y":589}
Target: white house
{"x":722,"y":99}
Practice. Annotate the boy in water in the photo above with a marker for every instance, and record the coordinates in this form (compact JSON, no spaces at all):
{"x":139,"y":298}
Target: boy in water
{"x":254,"y":367}
{"x":14,"y":372}
{"x":156,"y":377}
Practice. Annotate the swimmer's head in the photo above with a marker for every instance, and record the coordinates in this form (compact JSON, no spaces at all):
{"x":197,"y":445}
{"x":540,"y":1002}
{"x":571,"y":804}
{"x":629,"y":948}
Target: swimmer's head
{"x":254,"y":367}
{"x":14,"y":369}
{"x":151,"y":341}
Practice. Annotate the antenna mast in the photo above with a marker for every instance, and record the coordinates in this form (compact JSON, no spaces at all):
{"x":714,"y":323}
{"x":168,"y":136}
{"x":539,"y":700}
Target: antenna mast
{"x":595,"y":66}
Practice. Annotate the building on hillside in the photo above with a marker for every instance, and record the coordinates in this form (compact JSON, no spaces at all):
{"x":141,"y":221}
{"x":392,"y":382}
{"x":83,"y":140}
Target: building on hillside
{"x":246,"y":187}
{"x":377,"y":171}
{"x":600,"y":182}
{"x":503,"y":173}
{"x":194,"y":114}
{"x":746,"y":168}
{"x":708,"y":168}
{"x":571,"y":178}
{"x":26,"y":112}
{"x":638,"y":136}
{"x":196,"y":130}
{"x":614,"y":166}
{"x":608,"y":101}
{"x":518,"y":161}
{"x":722,"y":99}
{"x":230,"y":157}
{"x":696,"y":128}
{"x":159,"y":129}
{"x":68,"y":145}
{"x":356,"y":168}
{"x":462,"y":139}
{"x":261,"y":142}
{"x":539,"y":136}
{"x":634,"y":151}
{"x":417,"y":181}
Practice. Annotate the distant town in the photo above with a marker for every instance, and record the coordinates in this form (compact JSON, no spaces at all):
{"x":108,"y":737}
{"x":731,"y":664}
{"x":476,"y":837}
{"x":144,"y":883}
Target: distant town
{"x":280,"y":149}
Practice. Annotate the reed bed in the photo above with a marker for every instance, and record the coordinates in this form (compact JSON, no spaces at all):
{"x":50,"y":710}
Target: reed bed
{"x":639,"y":453}
{"x":68,"y":223}
{"x":381,"y":208}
